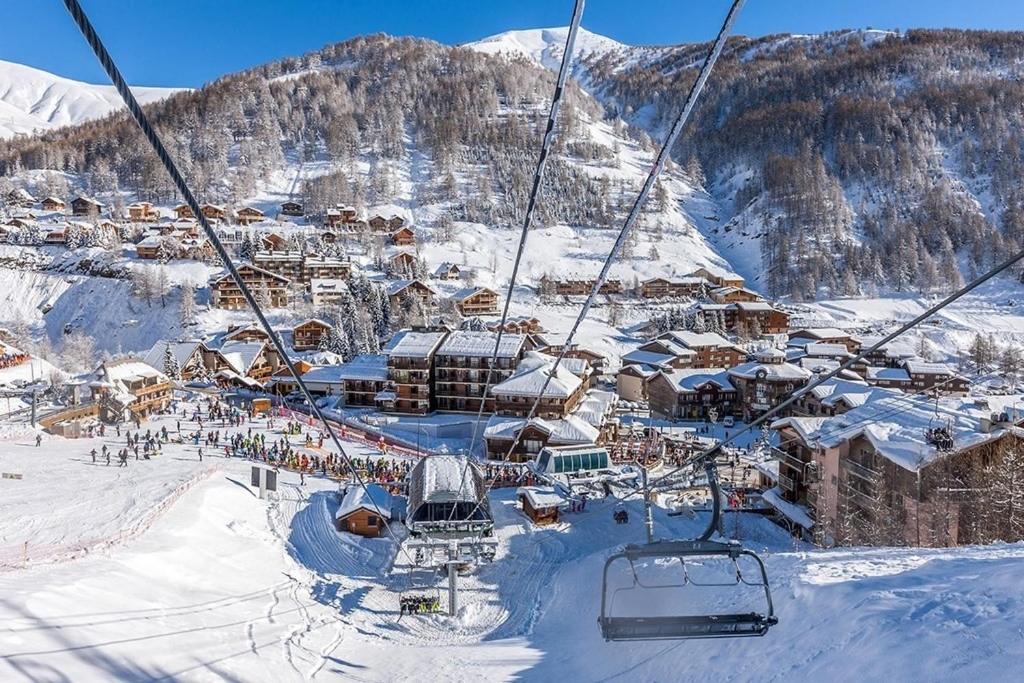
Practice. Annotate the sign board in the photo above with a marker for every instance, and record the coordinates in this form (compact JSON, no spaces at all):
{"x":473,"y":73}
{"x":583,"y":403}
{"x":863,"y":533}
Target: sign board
{"x":11,"y":475}
{"x":264,"y":479}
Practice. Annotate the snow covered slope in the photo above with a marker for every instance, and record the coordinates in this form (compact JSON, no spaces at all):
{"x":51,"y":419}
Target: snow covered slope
{"x":33,"y":100}
{"x":545,"y":45}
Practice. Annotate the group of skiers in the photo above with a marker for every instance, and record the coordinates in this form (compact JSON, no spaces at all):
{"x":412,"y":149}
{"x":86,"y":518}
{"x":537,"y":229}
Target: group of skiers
{"x":419,"y":604}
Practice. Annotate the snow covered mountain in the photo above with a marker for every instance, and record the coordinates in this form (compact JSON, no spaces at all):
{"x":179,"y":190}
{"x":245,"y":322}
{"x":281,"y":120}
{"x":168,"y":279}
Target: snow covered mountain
{"x":545,"y":45}
{"x":33,"y":100}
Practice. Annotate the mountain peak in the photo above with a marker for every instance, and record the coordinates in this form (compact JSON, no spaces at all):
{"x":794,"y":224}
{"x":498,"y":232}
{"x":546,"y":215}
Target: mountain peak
{"x":545,"y":45}
{"x":34,"y":100}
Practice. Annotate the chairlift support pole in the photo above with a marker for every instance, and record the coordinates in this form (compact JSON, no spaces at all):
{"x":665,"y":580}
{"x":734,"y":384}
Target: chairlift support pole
{"x":453,"y":578}
{"x":648,"y":506}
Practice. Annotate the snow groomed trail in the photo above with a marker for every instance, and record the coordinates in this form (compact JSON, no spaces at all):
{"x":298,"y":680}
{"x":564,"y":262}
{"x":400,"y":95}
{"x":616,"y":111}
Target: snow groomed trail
{"x":223,"y":586}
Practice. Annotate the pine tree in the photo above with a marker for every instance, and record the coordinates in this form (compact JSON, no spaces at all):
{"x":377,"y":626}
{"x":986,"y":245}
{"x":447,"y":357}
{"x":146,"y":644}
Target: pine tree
{"x":171,"y":368}
{"x":188,"y":304}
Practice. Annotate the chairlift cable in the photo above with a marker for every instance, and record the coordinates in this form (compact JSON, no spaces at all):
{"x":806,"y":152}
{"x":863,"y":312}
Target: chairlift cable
{"x":538,"y":177}
{"x":108,"y":64}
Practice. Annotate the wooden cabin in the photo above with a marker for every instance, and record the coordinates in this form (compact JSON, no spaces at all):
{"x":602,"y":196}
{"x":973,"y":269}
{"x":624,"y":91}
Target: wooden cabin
{"x":86,"y":206}
{"x":226,"y":294}
{"x":540,"y":503}
{"x":183,"y":211}
{"x":248,"y":215}
{"x":54,"y":204}
{"x":307,"y":335}
{"x":143,"y":212}
{"x":403,"y":237}
{"x":361,"y":509}
{"x":476,"y":301}
{"x":447,"y":271}
{"x":403,"y":262}
{"x":292,"y":209}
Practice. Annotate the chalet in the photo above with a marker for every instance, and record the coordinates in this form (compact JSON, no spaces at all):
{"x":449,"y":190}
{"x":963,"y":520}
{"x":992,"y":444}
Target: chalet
{"x":248,"y":332}
{"x":685,"y":349}
{"x":85,"y":206}
{"x":328,"y":237}
{"x":936,"y":378}
{"x":516,"y":395}
{"x":129,"y":389}
{"x":692,"y":393}
{"x":292,"y":209}
{"x":19,"y":197}
{"x":718,"y":278}
{"x":271,"y":241}
{"x":253,"y":359}
{"x":182,"y":211}
{"x":282,"y":381}
{"x":392,"y":223}
{"x":315,"y":266}
{"x":896,"y":470}
{"x":579,"y":286}
{"x":403,"y":262}
{"x":325,"y":292}
{"x":540,"y":503}
{"x":766,"y":381}
{"x":521,"y":440}
{"x":523,"y":324}
{"x":731,"y":295}
{"x":156,"y":246}
{"x":663,"y":288}
{"x":57,"y":235}
{"x":143,"y":212}
{"x":825,"y":335}
{"x":403,"y":290}
{"x":286,"y":264}
{"x":362,"y":379}
{"x":361,"y":509}
{"x":273,"y":288}
{"x":247,"y":215}
{"x":447,"y":271}
{"x":403,"y":237}
{"x":197,"y":249}
{"x":307,"y":335}
{"x":834,"y":397}
{"x":410,"y":386}
{"x":54,"y":204}
{"x":631,"y":381}
{"x":887,"y":378}
{"x":755,"y":318}
{"x":193,"y":358}
{"x":214,"y":212}
{"x":472,"y":301}
{"x":461,"y":368}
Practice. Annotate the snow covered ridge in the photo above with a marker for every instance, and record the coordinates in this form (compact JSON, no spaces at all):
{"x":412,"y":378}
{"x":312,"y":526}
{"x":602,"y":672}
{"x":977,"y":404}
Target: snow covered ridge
{"x":545,"y":45}
{"x":33,"y":100}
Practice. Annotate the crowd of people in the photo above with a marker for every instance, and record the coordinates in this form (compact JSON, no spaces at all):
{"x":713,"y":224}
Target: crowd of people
{"x":10,"y":360}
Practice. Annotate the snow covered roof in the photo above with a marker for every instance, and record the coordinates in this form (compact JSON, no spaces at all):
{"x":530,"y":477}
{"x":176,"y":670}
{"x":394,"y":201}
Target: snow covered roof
{"x":827,"y":350}
{"x":411,"y":344}
{"x":369,"y":367}
{"x":467,"y":292}
{"x":446,"y":267}
{"x":241,"y":355}
{"x":181,"y":350}
{"x":444,"y":478}
{"x":118,"y":371}
{"x":693,"y":340}
{"x":272,"y":255}
{"x":327,"y":285}
{"x":921,"y":367}
{"x":795,"y":513}
{"x":895,"y":423}
{"x":689,"y":380}
{"x":399,"y":286}
{"x":771,"y":371}
{"x":638,"y":357}
{"x":541,"y":496}
{"x":820,"y":333}
{"x":481,"y":344}
{"x":888,"y":374}
{"x":567,"y":431}
{"x":373,"y":498}
{"x":531,"y":374}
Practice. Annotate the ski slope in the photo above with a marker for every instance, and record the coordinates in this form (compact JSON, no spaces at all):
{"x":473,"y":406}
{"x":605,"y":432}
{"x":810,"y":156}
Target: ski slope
{"x":186,"y":575}
{"x":33,"y":100}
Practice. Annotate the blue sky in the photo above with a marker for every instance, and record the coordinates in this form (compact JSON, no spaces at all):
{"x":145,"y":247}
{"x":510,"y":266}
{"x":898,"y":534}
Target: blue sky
{"x":188,"y":42}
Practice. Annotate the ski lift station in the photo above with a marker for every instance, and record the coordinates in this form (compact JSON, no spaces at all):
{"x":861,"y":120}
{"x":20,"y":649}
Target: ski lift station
{"x":448,"y":498}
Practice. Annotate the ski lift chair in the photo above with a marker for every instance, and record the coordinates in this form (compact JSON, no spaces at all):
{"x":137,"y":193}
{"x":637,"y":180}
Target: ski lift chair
{"x":695,"y":552}
{"x":724,"y":625}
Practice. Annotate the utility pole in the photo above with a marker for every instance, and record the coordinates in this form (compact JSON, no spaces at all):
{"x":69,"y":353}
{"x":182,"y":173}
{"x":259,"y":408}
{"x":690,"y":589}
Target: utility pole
{"x":453,"y":576}
{"x":648,"y":508}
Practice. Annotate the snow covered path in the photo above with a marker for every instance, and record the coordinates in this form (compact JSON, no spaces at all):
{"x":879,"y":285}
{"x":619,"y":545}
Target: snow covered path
{"x":223,"y":586}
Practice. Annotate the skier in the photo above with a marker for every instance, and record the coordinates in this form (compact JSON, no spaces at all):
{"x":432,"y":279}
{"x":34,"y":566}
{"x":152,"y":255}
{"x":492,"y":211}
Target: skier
{"x":108,"y":459}
{"x":200,"y":454}
{"x":93,"y":454}
{"x":302,"y":478}
{"x":39,"y":440}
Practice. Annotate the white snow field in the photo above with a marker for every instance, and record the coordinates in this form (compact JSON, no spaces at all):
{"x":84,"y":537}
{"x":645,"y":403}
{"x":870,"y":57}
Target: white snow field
{"x":33,"y":100}
{"x":174,"y":570}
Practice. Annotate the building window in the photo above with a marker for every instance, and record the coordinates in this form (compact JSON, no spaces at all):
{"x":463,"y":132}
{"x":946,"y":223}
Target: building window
{"x":372,"y":520}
